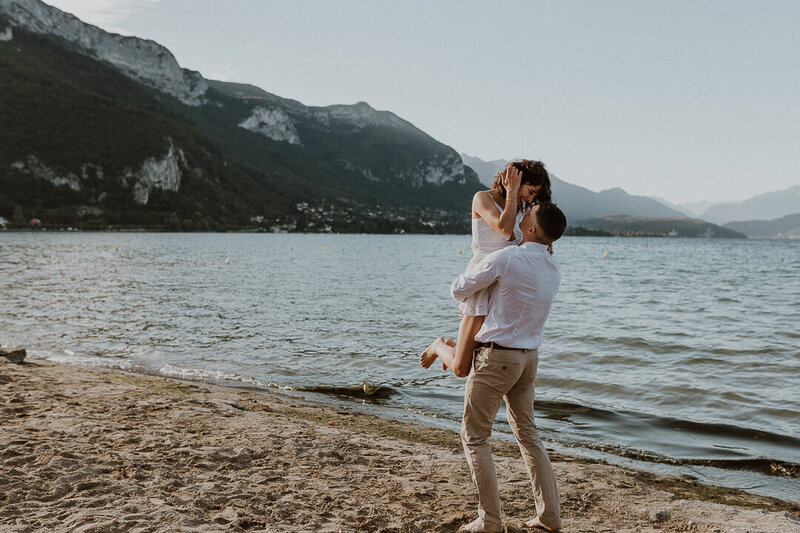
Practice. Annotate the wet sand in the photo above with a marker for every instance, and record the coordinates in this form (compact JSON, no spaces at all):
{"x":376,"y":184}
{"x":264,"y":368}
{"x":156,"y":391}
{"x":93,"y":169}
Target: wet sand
{"x":89,"y":450}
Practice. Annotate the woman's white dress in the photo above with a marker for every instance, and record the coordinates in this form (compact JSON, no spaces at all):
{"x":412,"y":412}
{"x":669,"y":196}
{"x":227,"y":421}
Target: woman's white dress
{"x":485,"y":240}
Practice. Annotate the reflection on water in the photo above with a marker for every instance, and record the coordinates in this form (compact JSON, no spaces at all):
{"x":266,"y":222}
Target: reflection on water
{"x":672,"y":350}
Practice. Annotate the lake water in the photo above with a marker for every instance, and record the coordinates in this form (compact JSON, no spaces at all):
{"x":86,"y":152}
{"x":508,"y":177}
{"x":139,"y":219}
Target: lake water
{"x":673,"y":354}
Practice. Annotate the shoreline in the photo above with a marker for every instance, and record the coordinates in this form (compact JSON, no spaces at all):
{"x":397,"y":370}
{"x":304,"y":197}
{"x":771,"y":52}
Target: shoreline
{"x":126,"y":451}
{"x":375,"y":402}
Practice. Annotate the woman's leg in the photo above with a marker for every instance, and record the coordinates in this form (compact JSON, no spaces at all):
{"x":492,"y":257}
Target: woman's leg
{"x":458,"y":357}
{"x":465,"y":345}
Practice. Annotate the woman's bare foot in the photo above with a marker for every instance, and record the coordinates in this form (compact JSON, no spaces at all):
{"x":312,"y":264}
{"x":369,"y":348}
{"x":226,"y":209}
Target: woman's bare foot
{"x":536,"y":524}
{"x":429,"y":355}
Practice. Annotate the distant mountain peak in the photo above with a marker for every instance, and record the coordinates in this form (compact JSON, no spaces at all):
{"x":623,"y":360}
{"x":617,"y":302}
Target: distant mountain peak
{"x":765,"y":206}
{"x":614,"y":191}
{"x":360,"y":115}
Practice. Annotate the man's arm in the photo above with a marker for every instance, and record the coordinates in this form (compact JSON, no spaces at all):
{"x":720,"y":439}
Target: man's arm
{"x":479,"y":277}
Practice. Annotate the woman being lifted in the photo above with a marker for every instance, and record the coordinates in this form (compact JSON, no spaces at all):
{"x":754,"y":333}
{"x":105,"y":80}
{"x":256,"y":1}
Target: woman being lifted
{"x":496,"y":214}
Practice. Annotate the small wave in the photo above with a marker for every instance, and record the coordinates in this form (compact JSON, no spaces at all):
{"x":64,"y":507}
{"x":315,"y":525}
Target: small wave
{"x":661,"y":347}
{"x":641,"y":423}
{"x":153,"y":369}
{"x":365,"y":391}
{"x":732,"y":351}
{"x":704,"y":360}
{"x":66,"y":356}
{"x":620,"y":359}
{"x":770,"y":467}
{"x":563,"y":407}
{"x":634,"y":342}
{"x":217,"y":376}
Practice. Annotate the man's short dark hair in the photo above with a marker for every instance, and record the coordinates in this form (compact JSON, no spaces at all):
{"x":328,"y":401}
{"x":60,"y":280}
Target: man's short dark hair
{"x":551,"y":220}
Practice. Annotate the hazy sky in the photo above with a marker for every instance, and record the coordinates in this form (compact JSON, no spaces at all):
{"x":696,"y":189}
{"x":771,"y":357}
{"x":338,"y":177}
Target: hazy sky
{"x":683,"y":100}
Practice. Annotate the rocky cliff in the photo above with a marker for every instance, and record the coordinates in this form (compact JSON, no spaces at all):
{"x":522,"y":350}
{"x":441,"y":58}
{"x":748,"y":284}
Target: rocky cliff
{"x":142,"y":60}
{"x":349,"y":137}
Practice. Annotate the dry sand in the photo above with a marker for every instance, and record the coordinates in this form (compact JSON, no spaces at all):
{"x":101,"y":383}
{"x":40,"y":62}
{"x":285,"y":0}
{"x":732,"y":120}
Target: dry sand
{"x":103,"y":451}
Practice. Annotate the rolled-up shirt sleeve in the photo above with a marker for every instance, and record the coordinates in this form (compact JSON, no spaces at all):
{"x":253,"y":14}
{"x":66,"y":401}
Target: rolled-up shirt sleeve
{"x":479,"y":276}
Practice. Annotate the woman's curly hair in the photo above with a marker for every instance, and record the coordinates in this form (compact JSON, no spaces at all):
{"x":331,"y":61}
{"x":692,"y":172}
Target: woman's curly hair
{"x":533,"y":173}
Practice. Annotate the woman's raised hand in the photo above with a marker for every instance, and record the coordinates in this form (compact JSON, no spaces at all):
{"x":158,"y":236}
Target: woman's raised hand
{"x":511,"y":178}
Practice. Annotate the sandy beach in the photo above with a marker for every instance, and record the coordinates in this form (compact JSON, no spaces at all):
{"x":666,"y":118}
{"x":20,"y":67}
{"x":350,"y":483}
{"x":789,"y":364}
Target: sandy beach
{"x":89,"y":450}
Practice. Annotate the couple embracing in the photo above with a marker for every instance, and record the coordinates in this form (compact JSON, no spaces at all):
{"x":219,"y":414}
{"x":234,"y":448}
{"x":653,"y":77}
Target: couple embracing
{"x":506,"y":292}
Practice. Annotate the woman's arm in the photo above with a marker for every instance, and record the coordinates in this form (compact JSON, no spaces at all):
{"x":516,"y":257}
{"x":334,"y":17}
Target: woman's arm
{"x":483,"y":205}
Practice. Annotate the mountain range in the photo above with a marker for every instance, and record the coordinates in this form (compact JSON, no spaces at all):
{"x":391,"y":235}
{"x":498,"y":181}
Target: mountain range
{"x":628,"y":226}
{"x":787,"y":227}
{"x":100,"y":130}
{"x":767,"y":206}
{"x":579,"y":203}
{"x":762,"y":216}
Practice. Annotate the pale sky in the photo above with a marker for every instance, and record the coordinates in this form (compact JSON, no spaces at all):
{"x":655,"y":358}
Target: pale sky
{"x":684,"y":100}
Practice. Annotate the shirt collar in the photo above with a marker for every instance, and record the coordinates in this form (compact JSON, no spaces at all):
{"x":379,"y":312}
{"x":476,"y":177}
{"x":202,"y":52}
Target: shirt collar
{"x":530,"y":245}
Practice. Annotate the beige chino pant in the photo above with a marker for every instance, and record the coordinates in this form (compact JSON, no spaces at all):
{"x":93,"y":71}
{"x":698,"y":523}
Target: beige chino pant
{"x":499,"y":374}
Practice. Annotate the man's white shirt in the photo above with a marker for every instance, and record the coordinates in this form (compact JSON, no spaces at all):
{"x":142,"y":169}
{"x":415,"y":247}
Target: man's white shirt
{"x":527,"y":279}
